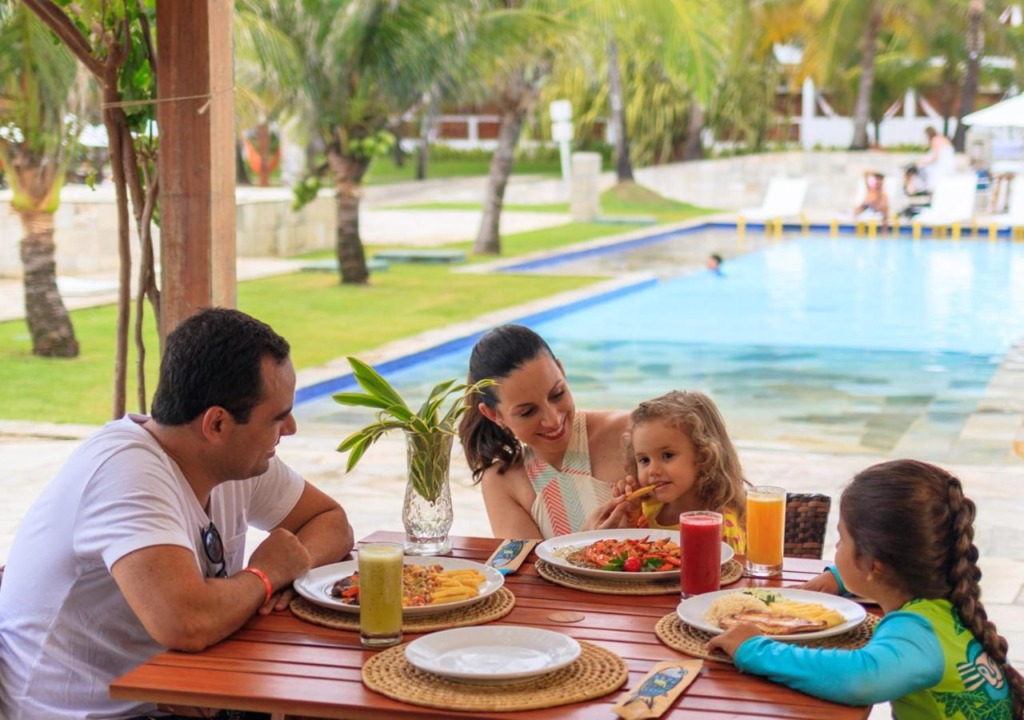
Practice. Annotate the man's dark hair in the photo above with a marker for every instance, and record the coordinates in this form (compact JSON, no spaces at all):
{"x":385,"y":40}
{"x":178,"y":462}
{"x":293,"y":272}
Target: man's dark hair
{"x":213,"y":359}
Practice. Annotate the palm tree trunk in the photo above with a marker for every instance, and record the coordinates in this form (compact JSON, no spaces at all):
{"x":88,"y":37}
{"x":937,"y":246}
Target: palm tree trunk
{"x":623,"y":165}
{"x":488,"y":240}
{"x":426,"y":125}
{"x":975,"y":46}
{"x":867,"y":78}
{"x":348,"y":245}
{"x":48,"y":320}
{"x":693,"y":150}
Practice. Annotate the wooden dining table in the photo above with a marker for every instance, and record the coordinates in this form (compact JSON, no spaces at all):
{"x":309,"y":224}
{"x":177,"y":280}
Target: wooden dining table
{"x":291,"y":668}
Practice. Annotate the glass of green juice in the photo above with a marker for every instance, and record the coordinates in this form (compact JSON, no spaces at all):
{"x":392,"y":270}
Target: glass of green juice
{"x":380,"y":594}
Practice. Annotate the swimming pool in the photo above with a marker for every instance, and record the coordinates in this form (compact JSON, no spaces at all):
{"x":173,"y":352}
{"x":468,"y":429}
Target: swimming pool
{"x":831,"y":344}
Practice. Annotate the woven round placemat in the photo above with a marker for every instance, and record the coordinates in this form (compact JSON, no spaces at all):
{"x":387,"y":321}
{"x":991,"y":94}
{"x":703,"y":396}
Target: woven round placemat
{"x":595,"y":673}
{"x":689,"y":640}
{"x":731,"y":572}
{"x":491,"y":608}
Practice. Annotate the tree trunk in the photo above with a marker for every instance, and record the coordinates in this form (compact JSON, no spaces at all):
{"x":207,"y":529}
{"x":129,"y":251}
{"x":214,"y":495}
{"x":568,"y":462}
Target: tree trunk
{"x":397,"y":153}
{"x":117,"y":132}
{"x":862,"y":109}
{"x":349,"y":172}
{"x":488,"y":240}
{"x":975,"y":46}
{"x":241,"y":171}
{"x":47,"y":318}
{"x":623,"y":165}
{"x":693,"y":150}
{"x":426,"y":126}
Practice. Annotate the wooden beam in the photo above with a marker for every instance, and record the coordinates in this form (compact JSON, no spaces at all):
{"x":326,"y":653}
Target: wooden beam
{"x":197,"y":170}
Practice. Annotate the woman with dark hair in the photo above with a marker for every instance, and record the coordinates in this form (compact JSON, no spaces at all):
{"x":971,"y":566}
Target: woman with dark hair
{"x":906,"y":539}
{"x":545,"y":468}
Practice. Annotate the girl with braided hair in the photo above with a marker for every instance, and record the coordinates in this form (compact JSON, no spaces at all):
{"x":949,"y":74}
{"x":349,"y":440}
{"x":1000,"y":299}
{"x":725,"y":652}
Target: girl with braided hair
{"x":906,"y":539}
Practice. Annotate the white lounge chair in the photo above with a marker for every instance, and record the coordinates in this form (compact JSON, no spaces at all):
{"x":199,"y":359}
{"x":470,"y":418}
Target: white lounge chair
{"x":952,"y":205}
{"x":783,"y":200}
{"x":1013,"y":218}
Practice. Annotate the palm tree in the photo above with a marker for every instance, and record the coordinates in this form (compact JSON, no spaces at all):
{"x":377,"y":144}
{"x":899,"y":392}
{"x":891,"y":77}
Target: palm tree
{"x":363,"y":62}
{"x":514,"y":49}
{"x":37,"y":79}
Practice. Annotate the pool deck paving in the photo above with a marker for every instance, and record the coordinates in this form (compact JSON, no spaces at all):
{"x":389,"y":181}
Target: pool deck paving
{"x":32,"y":453}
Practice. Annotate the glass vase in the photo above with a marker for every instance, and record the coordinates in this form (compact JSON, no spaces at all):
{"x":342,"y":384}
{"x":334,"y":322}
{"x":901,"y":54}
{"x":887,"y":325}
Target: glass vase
{"x":427,"y":511}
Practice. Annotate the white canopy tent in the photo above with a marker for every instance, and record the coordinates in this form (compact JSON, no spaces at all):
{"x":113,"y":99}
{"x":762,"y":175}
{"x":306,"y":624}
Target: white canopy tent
{"x":1004,"y":114}
{"x":1000,"y":129}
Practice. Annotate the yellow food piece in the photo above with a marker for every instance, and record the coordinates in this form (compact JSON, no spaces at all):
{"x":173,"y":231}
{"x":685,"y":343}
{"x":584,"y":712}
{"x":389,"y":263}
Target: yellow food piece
{"x":807,"y":611}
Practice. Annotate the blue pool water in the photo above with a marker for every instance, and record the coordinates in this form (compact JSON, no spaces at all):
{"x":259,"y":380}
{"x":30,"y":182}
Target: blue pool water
{"x":840,"y":344}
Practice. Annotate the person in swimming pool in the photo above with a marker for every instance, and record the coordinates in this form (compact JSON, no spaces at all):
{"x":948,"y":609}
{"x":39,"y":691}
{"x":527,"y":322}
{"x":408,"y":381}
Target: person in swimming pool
{"x":714,"y":263}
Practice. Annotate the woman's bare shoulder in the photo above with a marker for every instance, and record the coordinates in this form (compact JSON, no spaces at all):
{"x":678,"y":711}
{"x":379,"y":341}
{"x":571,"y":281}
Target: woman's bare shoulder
{"x":605,"y":423}
{"x":509,"y":483}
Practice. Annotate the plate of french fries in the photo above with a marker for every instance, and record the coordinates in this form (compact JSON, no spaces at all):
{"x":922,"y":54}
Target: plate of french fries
{"x":429,"y":585}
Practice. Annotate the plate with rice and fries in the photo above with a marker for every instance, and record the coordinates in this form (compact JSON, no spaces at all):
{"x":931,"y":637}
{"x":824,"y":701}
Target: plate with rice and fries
{"x":780,"y":613}
{"x":429,"y":585}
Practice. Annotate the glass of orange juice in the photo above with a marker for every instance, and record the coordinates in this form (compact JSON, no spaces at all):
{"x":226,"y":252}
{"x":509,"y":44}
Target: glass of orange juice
{"x":380,"y":594}
{"x":1018,"y":441}
{"x":766,"y":524}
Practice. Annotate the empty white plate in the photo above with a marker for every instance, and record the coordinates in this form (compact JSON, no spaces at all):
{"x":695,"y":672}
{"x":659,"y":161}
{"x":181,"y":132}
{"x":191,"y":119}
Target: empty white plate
{"x":492,"y":654}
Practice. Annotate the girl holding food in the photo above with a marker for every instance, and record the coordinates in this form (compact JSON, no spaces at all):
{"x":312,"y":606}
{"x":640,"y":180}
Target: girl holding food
{"x":678,"y":449}
{"x":906,"y":539}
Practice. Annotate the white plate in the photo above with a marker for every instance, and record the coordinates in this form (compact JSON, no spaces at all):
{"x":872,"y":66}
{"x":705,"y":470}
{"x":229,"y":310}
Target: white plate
{"x":691,"y":611}
{"x":495,"y":653}
{"x":316,"y":585}
{"x":554,"y":551}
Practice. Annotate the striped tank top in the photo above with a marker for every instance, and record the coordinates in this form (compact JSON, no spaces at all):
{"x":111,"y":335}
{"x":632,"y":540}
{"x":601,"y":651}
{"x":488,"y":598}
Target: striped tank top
{"x":566,"y":496}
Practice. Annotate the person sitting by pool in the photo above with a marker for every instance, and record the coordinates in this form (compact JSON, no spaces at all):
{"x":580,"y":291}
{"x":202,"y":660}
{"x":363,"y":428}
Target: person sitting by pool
{"x":678,"y":444}
{"x":906,"y":540}
{"x":875,"y":204}
{"x":545,"y":468}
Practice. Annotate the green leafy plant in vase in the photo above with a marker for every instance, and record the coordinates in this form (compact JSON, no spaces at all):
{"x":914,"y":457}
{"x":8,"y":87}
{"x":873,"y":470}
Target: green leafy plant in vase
{"x":429,"y":432}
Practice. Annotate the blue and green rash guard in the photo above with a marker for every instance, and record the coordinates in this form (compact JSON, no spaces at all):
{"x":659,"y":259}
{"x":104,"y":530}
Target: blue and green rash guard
{"x":921,"y":659}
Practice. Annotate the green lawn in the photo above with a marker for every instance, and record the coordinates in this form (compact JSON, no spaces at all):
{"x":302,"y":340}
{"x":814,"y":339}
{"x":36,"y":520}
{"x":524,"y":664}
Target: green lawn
{"x":321,"y":319}
{"x":383,"y":170}
{"x":627,"y":199}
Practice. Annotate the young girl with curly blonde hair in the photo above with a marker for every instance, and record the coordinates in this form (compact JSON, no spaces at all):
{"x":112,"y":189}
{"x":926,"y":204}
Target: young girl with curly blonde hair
{"x":678,"y":444}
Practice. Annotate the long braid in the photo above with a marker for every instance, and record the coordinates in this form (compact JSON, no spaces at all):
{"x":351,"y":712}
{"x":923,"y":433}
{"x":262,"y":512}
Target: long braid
{"x":965,"y":591}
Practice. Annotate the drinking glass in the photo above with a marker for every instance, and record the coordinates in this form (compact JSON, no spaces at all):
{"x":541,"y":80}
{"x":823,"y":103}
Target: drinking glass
{"x":380,"y":594}
{"x":766,"y":524}
{"x":1018,"y":441}
{"x":700,"y":537}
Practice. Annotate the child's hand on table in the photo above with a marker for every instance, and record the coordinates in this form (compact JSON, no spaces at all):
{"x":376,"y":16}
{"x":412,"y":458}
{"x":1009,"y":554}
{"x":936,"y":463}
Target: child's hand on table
{"x":730,"y":641}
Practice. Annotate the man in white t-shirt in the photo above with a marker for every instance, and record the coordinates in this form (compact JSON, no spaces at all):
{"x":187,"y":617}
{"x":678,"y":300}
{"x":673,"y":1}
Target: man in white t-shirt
{"x":138,"y":544}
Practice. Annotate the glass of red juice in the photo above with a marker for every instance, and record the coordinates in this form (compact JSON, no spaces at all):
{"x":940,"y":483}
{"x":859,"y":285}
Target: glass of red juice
{"x":700,"y":537}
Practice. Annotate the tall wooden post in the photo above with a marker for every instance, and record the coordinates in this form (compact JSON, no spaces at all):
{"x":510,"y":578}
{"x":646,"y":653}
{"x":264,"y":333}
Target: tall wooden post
{"x":197,"y":163}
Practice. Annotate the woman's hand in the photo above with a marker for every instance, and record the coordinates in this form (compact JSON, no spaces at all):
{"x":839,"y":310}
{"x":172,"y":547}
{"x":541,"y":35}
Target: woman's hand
{"x":625,"y":486}
{"x":825,"y":582}
{"x":731,"y":639}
